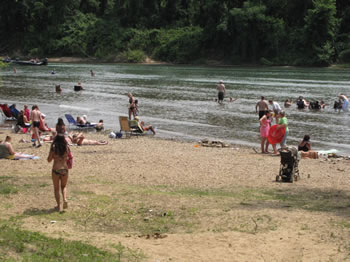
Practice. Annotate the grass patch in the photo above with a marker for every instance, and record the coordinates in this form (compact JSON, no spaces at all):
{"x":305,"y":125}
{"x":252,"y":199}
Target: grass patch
{"x":109,"y":214}
{"x":5,"y":187}
{"x":312,"y":200}
{"x":21,"y":245}
{"x":344,"y":224}
{"x":163,"y":209}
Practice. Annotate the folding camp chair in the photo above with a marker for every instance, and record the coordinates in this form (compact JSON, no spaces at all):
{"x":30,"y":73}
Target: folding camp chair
{"x":6,"y":113}
{"x":136,"y":128}
{"x":124,"y":126}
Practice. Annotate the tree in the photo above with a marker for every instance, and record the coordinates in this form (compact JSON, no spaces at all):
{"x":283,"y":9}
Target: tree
{"x":319,"y":31}
{"x":254,"y":33}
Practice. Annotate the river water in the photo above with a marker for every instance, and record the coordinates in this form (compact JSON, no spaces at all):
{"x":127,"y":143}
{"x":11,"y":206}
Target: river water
{"x":178,"y":100}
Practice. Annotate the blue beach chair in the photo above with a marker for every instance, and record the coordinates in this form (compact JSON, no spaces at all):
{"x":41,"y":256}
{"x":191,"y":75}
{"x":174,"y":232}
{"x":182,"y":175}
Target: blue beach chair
{"x":73,"y":123}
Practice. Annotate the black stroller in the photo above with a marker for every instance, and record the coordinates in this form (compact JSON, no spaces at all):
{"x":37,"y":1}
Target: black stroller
{"x":289,"y":169}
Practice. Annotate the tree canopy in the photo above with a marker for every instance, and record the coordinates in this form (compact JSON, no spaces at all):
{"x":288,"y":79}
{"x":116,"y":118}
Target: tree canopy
{"x":281,"y":32}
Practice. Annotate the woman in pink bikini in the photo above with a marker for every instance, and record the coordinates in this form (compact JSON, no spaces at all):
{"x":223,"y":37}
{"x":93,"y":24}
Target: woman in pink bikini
{"x":264,"y":131}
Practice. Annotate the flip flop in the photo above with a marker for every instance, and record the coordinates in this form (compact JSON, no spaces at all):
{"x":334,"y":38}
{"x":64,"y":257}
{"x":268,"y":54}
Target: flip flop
{"x":65,"y":205}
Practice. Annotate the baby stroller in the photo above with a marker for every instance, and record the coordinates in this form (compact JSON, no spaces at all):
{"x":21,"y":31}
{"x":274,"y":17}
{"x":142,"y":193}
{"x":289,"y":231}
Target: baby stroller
{"x":289,"y":169}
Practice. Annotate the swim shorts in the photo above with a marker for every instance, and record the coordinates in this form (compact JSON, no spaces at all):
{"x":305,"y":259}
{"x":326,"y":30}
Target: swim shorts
{"x":221,"y":96}
{"x":36,"y":124}
{"x":262,"y":113}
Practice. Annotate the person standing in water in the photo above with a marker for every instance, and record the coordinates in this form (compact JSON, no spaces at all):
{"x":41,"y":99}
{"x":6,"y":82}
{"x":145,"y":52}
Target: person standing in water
{"x":221,"y":91}
{"x":262,"y":106}
{"x":92,"y":73}
{"x":345,"y":102}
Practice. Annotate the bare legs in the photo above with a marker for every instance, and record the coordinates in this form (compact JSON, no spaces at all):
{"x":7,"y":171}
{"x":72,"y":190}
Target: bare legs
{"x":274,"y":149}
{"x":267,"y":146}
{"x":132,"y":112}
{"x":149,"y":128}
{"x":36,"y":135}
{"x":264,"y":145}
{"x":56,"y":186}
{"x":263,"y":139}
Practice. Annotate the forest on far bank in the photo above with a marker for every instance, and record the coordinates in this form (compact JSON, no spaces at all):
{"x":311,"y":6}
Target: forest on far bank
{"x":268,"y":32}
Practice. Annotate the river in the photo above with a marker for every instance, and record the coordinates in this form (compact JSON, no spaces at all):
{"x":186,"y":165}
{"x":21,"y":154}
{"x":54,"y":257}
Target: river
{"x":178,"y":100}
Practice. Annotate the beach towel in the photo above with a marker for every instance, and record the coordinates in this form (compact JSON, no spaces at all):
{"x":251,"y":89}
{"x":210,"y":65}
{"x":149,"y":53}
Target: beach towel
{"x":25,"y":157}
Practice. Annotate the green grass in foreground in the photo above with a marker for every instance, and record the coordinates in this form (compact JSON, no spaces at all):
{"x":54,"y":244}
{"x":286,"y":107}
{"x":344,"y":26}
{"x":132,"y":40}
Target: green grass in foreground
{"x":5,"y":187}
{"x":21,"y":245}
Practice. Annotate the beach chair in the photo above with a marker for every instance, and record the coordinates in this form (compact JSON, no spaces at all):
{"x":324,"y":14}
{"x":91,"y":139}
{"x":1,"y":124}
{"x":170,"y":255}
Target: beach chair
{"x":72,"y":122}
{"x":124,"y":126}
{"x":14,"y":111}
{"x":6,"y":113}
{"x":136,"y":128}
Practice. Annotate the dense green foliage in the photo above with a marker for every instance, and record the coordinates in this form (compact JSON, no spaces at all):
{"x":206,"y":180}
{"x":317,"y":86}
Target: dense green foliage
{"x":298,"y":32}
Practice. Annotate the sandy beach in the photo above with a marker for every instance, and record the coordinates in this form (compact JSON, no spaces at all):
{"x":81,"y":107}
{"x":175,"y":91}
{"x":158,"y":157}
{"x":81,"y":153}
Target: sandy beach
{"x":177,"y":201}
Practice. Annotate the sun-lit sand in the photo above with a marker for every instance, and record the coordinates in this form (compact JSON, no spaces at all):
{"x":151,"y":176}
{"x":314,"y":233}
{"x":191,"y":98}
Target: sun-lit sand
{"x":224,"y":202}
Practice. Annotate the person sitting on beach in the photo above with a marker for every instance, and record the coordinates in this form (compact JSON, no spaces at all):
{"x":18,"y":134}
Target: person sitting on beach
{"x":50,"y":138}
{"x":99,"y":126}
{"x":144,"y":127}
{"x":81,"y":121}
{"x":7,"y":151}
{"x":85,"y":119}
{"x":304,"y":148}
{"x":287,"y":103}
{"x":43,"y":126}
{"x":60,"y":126}
{"x":26,"y":112}
{"x":22,"y":122}
{"x":80,"y":140}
